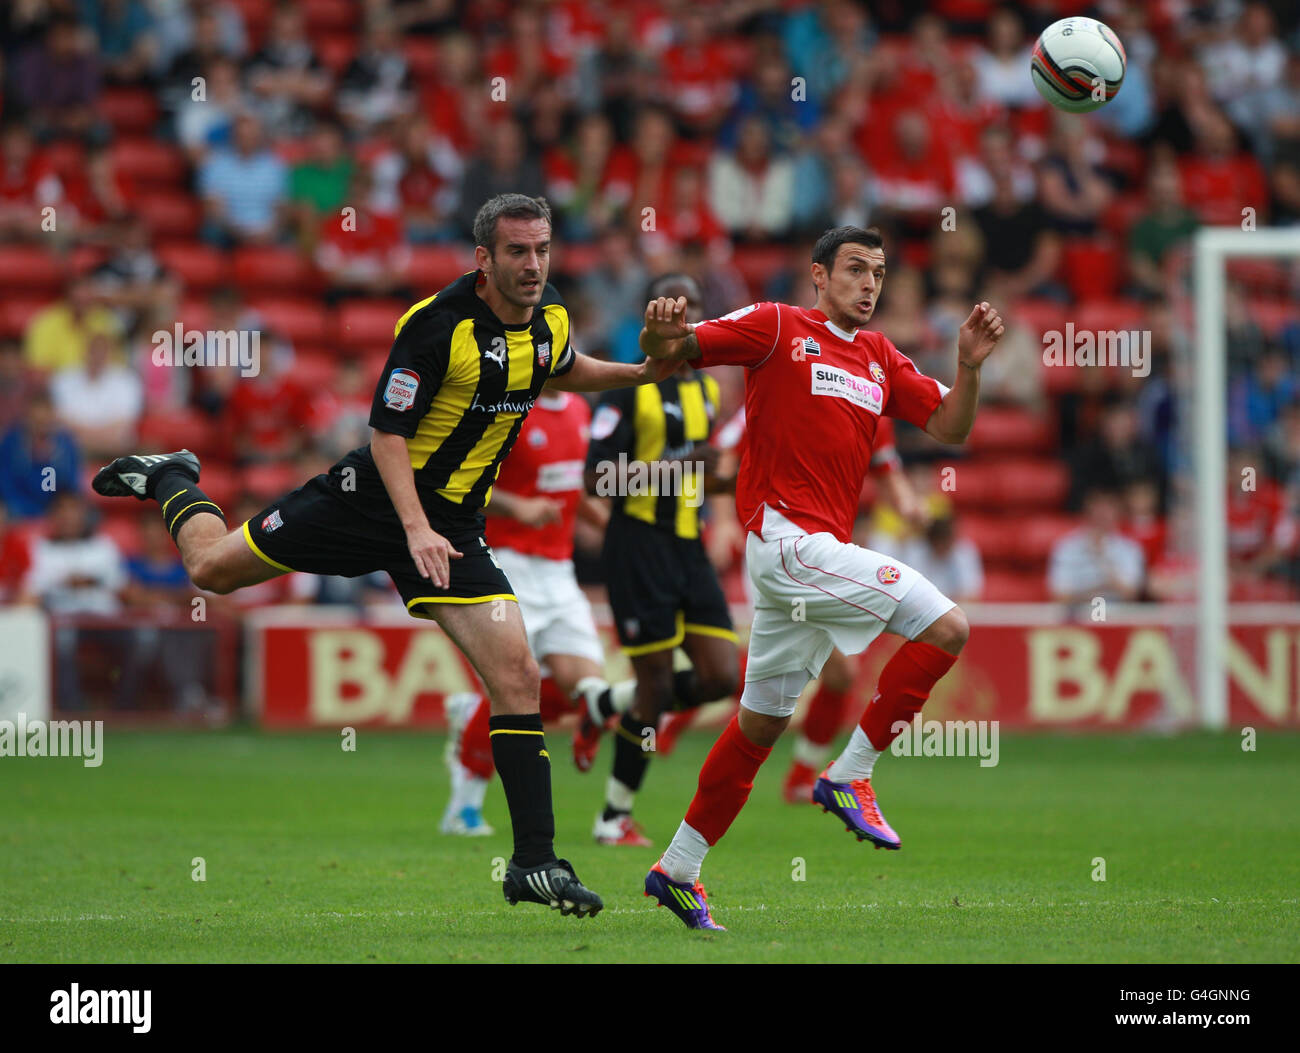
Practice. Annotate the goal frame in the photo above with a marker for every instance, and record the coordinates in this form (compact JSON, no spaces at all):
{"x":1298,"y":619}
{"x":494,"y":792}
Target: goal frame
{"x":1213,"y":247}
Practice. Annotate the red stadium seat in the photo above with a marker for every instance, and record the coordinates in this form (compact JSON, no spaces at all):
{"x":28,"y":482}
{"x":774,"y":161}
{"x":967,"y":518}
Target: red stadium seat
{"x":1000,"y":430}
{"x":1027,"y":483}
{"x":129,"y":110}
{"x":171,"y":213}
{"x":85,"y":258}
{"x":1004,"y":586}
{"x":976,"y":484}
{"x":434,"y":266}
{"x":314,"y":370}
{"x":257,"y":16}
{"x":422,"y":54}
{"x":195,"y":313}
{"x":1260,"y":277}
{"x":149,"y":162}
{"x":328,"y":14}
{"x":66,"y":157}
{"x":160,"y":432}
{"x":1038,"y":316}
{"x":1092,"y":268}
{"x":336,"y":50}
{"x":1274,"y":315}
{"x":123,"y":531}
{"x":1103,"y":315}
{"x":273,"y":270}
{"x":990,"y":534}
{"x":758,"y":263}
{"x":31,"y":268}
{"x":367,"y":325}
{"x":266,"y":481}
{"x":1039,"y":533}
{"x":16,"y":313}
{"x":1124,"y":211}
{"x":299,"y":320}
{"x":199,"y":266}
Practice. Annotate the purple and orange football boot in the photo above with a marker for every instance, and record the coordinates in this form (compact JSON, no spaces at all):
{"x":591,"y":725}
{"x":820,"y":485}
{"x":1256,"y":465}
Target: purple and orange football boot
{"x":688,"y":902}
{"x":855,"y":804}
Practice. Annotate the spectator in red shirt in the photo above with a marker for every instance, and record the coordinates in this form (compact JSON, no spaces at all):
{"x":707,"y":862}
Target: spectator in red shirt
{"x":363,"y":253}
{"x":1219,"y":179}
{"x":1262,"y":530}
{"x":588,"y":183}
{"x":695,"y":75}
{"x":15,"y":561}
{"x":914,"y":175}
{"x":418,"y":179}
{"x":28,"y":183}
{"x":99,"y":195}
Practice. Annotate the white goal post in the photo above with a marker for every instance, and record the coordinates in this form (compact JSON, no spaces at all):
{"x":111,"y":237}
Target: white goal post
{"x":1212,"y":247}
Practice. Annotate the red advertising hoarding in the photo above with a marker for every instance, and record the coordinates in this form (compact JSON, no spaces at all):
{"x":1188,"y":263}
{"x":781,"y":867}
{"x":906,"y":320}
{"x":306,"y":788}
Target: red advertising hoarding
{"x":1025,"y":666}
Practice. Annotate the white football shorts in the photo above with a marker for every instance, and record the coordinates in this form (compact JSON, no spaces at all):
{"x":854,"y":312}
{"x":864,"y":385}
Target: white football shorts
{"x":814,"y":593}
{"x":557,"y":616}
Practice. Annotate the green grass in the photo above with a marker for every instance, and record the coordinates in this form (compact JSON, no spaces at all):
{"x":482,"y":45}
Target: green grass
{"x":314,"y":854}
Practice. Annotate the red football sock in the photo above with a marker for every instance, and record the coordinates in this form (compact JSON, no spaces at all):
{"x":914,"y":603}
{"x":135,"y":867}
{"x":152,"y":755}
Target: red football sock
{"x":824,"y":716}
{"x":725,"y":782}
{"x":554,"y":702}
{"x":904,"y":685}
{"x":475,"y":743}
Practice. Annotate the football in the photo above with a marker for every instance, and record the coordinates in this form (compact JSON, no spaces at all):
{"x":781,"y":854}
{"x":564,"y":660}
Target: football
{"x":1078,"y":64}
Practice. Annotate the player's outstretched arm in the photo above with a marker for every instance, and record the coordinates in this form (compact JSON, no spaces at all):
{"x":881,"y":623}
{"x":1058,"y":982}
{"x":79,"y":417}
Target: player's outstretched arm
{"x":952,"y":420}
{"x":666,"y":334}
{"x":593,"y":374}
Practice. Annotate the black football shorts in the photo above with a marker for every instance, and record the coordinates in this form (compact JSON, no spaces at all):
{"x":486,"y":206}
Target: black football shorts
{"x":322,"y":528}
{"x":661,"y":587}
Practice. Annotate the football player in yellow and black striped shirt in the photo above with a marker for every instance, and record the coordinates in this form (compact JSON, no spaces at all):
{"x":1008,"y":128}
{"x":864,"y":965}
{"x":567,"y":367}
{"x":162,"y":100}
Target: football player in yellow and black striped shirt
{"x":649,"y":451}
{"x":465,"y":368}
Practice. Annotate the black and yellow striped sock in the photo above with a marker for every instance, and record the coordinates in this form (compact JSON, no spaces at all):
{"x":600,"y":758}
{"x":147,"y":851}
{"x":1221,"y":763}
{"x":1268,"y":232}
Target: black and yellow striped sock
{"x":181,"y":500}
{"x":519,"y":753}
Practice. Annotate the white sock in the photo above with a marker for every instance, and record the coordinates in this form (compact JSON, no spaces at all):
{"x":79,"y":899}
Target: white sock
{"x":467,"y":789}
{"x":622,"y":695}
{"x":617,"y":796}
{"x":685,"y":855}
{"x":857,"y":760}
{"x":809,"y":753}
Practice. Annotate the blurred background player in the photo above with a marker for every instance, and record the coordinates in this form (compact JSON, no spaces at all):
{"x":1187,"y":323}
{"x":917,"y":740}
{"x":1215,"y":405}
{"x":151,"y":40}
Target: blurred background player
{"x":663,"y":591}
{"x":538,"y":498}
{"x":816,"y":386}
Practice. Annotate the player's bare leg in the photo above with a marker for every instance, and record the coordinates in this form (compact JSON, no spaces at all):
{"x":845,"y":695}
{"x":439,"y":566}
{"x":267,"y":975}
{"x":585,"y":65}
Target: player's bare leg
{"x":219,"y":560}
{"x":821,"y":722}
{"x":491,"y":635}
{"x":844,"y":788}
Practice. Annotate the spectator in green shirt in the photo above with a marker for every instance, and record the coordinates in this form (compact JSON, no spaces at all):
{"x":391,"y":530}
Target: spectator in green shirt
{"x":1167,"y":222}
{"x":319,"y":184}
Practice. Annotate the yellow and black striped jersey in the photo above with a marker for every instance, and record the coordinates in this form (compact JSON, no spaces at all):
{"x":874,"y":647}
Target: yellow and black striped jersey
{"x":459,"y":382}
{"x":657,"y":426}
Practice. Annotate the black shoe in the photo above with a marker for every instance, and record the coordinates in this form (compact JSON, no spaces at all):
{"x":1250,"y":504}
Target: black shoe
{"x":553,"y":884}
{"x":133,"y":475}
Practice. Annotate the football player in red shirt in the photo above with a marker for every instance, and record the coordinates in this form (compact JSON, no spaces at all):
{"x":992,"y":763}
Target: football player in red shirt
{"x":816,"y":386}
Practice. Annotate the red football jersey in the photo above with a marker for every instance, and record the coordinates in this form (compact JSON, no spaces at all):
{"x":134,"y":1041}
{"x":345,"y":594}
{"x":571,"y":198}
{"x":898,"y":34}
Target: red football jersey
{"x":814,"y":396}
{"x":547,"y":460}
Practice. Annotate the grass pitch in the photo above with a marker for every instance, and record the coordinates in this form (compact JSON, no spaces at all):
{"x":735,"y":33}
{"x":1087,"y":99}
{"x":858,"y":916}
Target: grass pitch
{"x":313,"y":854}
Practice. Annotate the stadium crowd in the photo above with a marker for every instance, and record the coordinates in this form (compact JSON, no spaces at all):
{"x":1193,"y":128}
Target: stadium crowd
{"x":304,"y":171}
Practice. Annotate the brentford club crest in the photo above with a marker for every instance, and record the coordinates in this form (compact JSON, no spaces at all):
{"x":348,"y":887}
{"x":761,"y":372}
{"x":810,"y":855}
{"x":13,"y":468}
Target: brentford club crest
{"x":877,"y":373}
{"x":888,"y":575}
{"x":543,"y":355}
{"x":272,"y":522}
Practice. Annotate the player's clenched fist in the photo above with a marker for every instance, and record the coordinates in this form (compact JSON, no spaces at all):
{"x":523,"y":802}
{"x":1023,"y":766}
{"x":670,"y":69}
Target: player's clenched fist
{"x":666,"y":318}
{"x":432,"y":553}
{"x":978,"y":335}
